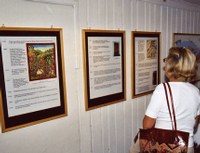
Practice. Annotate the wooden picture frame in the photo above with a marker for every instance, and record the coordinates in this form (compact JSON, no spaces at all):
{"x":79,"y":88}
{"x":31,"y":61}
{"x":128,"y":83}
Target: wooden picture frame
{"x":104,"y":67}
{"x":32,"y":76}
{"x":145,"y":62}
{"x":190,"y":41}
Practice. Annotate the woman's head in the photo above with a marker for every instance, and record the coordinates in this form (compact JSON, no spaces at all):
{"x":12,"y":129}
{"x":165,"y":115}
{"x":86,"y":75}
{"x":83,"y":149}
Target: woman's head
{"x":180,"y":64}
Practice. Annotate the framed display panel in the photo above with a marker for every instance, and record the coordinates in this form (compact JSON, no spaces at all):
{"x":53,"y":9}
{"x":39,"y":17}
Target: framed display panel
{"x":104,"y":67}
{"x":145,"y":62}
{"x":32,"y":76}
{"x":191,"y":41}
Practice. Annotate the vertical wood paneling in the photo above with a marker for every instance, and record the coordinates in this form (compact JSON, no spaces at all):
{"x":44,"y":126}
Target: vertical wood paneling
{"x":110,"y":18}
{"x":128,"y":122}
{"x":96,"y":118}
{"x":141,"y":16}
{"x":111,"y":129}
{"x":198,"y":23}
{"x":151,"y":17}
{"x":88,"y":13}
{"x":164,"y":20}
{"x":188,"y":21}
{"x":148,"y":97}
{"x":161,"y":19}
{"x":174,"y":23}
{"x":52,"y":136}
{"x":168,"y":28}
{"x":181,"y":23}
{"x":93,"y":13}
{"x":157,"y":18}
{"x":83,"y":15}
{"x":108,"y":129}
{"x":191,"y":22}
{"x":102,"y":10}
{"x":127,"y":26}
{"x":123,"y":14}
{"x":134,"y":117}
{"x":134,"y":14}
{"x":141,"y":107}
{"x":105,"y":131}
{"x":147,"y":16}
{"x":195,"y":21}
{"x":84,"y":117}
{"x":118,"y":14}
{"x":184,"y":21}
{"x":85,"y":131}
{"x":120,"y":127}
{"x":127,"y":14}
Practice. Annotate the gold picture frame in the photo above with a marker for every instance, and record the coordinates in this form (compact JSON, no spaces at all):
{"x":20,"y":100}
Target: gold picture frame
{"x":145,"y":62}
{"x":33,"y":88}
{"x":104,"y":67}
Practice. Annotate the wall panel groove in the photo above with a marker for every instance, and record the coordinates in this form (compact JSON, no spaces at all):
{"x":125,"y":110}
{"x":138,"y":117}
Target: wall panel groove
{"x":114,"y":126}
{"x":108,"y":129}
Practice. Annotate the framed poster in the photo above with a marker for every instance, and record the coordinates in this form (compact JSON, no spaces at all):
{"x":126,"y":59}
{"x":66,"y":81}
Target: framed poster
{"x":32,"y":76}
{"x":104,"y":71}
{"x":145,"y":62}
{"x":191,"y":41}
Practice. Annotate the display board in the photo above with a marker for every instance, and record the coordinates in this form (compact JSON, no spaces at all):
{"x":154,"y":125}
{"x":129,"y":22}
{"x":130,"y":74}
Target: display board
{"x":190,"y":41}
{"x":32,"y":76}
{"x":145,"y":62}
{"x":104,"y":67}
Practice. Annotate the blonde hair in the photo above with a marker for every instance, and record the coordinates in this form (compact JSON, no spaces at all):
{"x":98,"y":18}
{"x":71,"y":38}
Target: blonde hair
{"x":181,"y":64}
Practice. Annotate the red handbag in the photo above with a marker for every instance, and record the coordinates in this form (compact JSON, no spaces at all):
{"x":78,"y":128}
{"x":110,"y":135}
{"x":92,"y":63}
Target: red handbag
{"x":156,"y":140}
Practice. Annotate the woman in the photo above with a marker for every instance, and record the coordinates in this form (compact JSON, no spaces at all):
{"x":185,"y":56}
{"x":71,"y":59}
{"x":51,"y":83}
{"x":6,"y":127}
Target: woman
{"x":180,"y":69}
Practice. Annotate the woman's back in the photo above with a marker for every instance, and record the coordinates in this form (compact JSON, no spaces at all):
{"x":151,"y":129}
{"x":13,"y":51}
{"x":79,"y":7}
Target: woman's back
{"x":186,"y":102}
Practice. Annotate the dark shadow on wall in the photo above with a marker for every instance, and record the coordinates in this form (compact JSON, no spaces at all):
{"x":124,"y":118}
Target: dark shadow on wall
{"x":196,"y":148}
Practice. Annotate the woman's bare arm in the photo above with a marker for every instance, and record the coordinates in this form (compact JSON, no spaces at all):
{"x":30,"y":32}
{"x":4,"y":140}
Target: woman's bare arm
{"x":148,"y":122}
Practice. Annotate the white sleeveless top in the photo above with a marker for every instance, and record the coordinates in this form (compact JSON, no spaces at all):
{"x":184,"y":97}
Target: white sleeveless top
{"x":186,"y":103}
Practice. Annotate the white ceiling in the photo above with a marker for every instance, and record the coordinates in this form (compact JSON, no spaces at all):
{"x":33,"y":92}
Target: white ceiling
{"x":193,"y":1}
{"x":67,"y":1}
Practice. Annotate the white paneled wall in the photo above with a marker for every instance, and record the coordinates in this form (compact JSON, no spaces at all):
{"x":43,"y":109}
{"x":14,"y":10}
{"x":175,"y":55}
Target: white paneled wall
{"x":108,"y":129}
{"x":111,"y":129}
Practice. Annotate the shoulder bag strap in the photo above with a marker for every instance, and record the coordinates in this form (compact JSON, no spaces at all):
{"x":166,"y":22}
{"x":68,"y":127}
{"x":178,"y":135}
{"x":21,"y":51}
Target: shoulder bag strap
{"x":166,"y":95}
{"x":172,"y":104}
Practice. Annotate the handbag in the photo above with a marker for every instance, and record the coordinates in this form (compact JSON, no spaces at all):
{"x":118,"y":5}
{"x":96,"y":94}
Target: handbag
{"x":157,"y":140}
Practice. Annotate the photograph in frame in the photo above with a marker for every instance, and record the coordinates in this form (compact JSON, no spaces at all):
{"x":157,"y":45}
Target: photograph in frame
{"x":104,"y":67}
{"x":33,"y":88}
{"x":43,"y":67}
{"x":145,"y":62}
{"x":190,"y":41}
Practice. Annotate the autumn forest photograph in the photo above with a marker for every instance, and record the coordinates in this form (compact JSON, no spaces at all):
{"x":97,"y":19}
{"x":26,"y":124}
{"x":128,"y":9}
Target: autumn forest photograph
{"x":41,"y":61}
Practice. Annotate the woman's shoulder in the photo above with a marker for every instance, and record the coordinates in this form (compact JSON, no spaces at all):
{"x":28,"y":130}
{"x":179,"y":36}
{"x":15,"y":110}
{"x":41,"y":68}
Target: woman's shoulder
{"x":193,"y":87}
{"x":159,"y":87}
{"x":177,"y":85}
{"x":185,"y":86}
